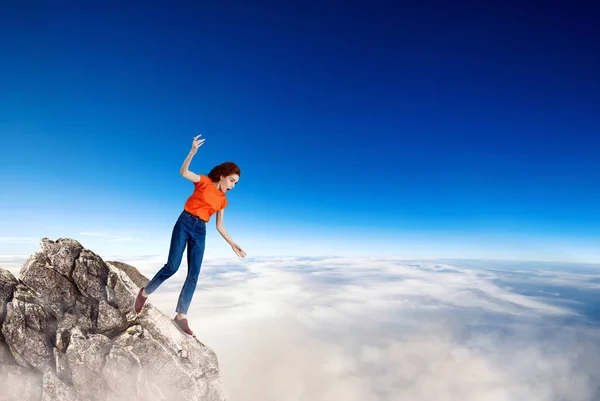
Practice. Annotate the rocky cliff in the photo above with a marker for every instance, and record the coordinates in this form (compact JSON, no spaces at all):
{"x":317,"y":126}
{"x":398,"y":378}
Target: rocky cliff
{"x":69,"y":332}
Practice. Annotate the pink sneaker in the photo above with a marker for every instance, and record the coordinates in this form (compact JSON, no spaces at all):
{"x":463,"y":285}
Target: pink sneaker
{"x":140,"y":301}
{"x":183,"y":326}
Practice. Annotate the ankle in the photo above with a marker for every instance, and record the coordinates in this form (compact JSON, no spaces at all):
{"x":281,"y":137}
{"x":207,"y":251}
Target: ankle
{"x":144,"y":293}
{"x":180,"y":316}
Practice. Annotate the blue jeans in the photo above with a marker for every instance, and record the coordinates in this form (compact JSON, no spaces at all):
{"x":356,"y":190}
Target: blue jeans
{"x":191,"y":231}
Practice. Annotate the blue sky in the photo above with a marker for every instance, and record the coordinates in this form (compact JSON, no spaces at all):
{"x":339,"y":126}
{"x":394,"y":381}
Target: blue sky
{"x":416,"y":131}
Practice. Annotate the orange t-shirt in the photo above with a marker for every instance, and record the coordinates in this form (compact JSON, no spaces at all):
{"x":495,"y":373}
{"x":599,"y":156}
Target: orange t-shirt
{"x":206,"y":200}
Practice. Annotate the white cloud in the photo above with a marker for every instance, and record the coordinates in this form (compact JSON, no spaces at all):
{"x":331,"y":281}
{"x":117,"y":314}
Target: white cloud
{"x":112,"y":238}
{"x":291,"y":329}
{"x":13,"y":263}
{"x":19,"y":240}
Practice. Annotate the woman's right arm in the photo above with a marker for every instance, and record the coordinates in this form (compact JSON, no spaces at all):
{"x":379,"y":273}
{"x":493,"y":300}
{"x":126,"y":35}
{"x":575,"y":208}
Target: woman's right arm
{"x":184,"y":170}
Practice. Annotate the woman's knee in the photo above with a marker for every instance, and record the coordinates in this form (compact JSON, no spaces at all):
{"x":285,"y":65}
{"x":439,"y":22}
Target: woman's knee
{"x":170,"y":268}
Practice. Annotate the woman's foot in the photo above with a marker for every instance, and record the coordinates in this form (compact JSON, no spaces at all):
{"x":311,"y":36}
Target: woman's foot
{"x":140,"y":300}
{"x":182,"y":323}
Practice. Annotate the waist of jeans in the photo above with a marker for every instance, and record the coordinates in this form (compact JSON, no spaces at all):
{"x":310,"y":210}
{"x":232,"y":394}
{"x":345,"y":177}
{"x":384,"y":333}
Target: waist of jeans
{"x":186,"y":213}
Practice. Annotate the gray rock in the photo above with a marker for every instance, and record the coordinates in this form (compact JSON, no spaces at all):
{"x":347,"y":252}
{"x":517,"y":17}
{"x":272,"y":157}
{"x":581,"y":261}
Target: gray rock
{"x":169,"y":374}
{"x":85,"y":356}
{"x":121,"y":291}
{"x":90,"y":275}
{"x":110,"y":320}
{"x":138,"y":278}
{"x":6,"y":357}
{"x":123,"y":373}
{"x":70,"y":321}
{"x":29,"y":347}
{"x":61,"y":254}
{"x":63,"y":370}
{"x":29,"y":329}
{"x":197,"y":359}
{"x":54,"y":389}
{"x":8,"y":283}
{"x":50,"y":286}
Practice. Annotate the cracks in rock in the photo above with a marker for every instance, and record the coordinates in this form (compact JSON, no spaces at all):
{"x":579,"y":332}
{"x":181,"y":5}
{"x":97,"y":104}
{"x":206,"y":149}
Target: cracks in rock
{"x":94,"y":314}
{"x":51,"y":249}
{"x":192,"y":384}
{"x":72,"y":268}
{"x":63,"y":340}
{"x":111,"y":285}
{"x":11,"y":295}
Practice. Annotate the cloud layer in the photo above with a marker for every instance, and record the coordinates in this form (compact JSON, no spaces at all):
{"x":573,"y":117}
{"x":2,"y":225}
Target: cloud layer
{"x":292,"y":329}
{"x":107,"y":237}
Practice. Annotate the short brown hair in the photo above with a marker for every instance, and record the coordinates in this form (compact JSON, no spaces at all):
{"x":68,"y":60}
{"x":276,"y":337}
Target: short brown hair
{"x":226,"y":168}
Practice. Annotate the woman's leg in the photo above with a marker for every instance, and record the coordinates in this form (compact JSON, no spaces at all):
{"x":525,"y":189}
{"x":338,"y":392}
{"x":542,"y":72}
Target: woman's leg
{"x":179,"y":238}
{"x":195,"y":254}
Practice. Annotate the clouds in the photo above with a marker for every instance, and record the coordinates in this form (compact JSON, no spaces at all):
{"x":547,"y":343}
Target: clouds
{"x":13,"y":263}
{"x":19,"y":240}
{"x":291,"y":329}
{"x":369,"y":329}
{"x":112,"y":238}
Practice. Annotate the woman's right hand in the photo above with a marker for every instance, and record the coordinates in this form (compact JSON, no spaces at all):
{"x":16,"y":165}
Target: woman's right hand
{"x":197,"y":143}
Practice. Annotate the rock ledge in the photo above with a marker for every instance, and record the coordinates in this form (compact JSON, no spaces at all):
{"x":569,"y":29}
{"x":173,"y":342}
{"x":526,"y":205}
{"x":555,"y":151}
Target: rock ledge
{"x":68,"y":332}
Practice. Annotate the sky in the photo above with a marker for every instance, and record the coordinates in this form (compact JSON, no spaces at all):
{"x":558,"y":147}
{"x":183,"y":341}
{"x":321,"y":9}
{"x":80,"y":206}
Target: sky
{"x":430,"y":130}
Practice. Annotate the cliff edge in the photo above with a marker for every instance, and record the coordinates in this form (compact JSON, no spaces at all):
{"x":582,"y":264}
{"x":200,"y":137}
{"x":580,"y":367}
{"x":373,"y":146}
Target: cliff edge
{"x":69,"y":332}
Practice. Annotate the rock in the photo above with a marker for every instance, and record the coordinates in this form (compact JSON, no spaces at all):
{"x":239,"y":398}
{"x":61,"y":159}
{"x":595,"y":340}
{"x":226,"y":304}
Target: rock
{"x":90,"y":275}
{"x":121,"y":292}
{"x":54,"y":389}
{"x":6,"y":357}
{"x":61,"y":254}
{"x":8,"y":283}
{"x":29,"y":329}
{"x":18,"y":382}
{"x":85,"y":356}
{"x":138,"y":278}
{"x":83,"y":314}
{"x":70,"y":334}
{"x":121,"y":369}
{"x":198,"y":361}
{"x":110,"y":320}
{"x":63,"y":370}
{"x":170,"y":374}
{"x":57,"y":290}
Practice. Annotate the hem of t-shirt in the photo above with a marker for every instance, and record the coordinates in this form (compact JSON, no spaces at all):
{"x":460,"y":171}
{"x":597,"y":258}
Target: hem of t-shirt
{"x":201,"y":218}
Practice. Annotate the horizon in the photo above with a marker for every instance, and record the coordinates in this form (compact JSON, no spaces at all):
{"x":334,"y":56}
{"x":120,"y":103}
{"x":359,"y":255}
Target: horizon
{"x":148,"y":264}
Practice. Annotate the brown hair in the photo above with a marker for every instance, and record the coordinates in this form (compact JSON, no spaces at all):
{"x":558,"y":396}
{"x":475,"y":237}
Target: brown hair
{"x":226,"y":168}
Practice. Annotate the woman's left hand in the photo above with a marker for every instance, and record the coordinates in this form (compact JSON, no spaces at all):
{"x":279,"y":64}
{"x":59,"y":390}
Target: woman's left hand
{"x":238,"y":250}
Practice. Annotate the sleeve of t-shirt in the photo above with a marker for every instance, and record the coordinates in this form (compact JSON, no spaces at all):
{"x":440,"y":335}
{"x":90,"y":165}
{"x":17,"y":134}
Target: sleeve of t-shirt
{"x":204,"y":180}
{"x":224,"y":203}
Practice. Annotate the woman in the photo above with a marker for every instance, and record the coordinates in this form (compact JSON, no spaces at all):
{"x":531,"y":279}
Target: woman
{"x":190,"y":229}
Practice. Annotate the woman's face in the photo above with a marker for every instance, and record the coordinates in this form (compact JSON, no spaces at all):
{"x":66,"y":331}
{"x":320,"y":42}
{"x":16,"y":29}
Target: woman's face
{"x":228,"y":183}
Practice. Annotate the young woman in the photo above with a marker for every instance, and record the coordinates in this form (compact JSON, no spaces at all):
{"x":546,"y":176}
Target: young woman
{"x":190,"y":229}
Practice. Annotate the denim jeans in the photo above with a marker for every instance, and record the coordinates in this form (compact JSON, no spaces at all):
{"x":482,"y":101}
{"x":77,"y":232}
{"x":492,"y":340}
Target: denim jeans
{"x":191,"y":231}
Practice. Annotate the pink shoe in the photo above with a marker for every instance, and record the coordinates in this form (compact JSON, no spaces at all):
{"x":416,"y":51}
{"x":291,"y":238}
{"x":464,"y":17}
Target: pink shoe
{"x":140,"y":301}
{"x":183,"y":326}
